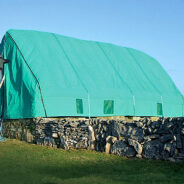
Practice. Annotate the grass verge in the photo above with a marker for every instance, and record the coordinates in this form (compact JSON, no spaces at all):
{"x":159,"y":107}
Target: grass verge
{"x":22,"y":163}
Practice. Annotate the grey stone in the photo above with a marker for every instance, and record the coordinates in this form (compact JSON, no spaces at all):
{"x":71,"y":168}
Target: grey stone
{"x":91,"y":137}
{"x":54,"y":135}
{"x":155,"y":124}
{"x":168,"y":147}
{"x":138,"y":156}
{"x":152,"y":149}
{"x":173,"y":148}
{"x":145,"y":119}
{"x":150,"y":137}
{"x":122,"y":149}
{"x":165,"y":120}
{"x":155,"y":131}
{"x":168,"y":125}
{"x":29,"y":137}
{"x":180,"y":156}
{"x":163,"y":130}
{"x":111,"y":139}
{"x":40,"y":141}
{"x":178,"y":141}
{"x":182,"y":131}
{"x":64,"y":143}
{"x":127,"y":131}
{"x":107,"y":148}
{"x":137,"y":146}
{"x":81,"y":145}
{"x":149,"y":130}
{"x":166,"y":138}
{"x":139,"y":124}
{"x":171,"y":159}
{"x":48,"y":141}
{"x":149,"y":122}
{"x":174,"y":138}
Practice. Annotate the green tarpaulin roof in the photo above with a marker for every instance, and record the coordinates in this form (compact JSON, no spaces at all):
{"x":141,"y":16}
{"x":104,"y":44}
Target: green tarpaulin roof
{"x":52,"y":75}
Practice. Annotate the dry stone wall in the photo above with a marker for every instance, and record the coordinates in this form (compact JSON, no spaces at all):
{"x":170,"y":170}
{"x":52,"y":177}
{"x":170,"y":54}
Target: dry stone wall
{"x":146,"y":138}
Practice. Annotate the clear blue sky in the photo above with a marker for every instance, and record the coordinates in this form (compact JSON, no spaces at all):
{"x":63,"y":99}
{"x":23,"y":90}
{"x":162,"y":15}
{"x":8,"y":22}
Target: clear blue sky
{"x":153,"y":26}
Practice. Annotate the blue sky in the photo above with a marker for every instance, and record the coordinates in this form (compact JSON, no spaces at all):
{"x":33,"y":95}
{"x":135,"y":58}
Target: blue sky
{"x":153,"y":26}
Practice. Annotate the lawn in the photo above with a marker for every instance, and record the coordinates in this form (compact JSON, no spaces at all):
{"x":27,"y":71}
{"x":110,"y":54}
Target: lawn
{"x":31,"y":164}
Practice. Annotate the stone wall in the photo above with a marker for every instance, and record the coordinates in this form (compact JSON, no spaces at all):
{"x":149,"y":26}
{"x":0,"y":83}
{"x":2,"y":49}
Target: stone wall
{"x":160,"y":138}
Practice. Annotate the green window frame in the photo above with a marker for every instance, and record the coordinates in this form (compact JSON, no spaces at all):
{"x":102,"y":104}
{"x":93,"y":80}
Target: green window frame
{"x":159,"y":109}
{"x":108,"y":106}
{"x":79,"y":106}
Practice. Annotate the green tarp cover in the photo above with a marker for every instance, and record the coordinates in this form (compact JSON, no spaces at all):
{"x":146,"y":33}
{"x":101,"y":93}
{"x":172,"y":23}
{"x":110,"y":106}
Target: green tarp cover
{"x":50,"y":75}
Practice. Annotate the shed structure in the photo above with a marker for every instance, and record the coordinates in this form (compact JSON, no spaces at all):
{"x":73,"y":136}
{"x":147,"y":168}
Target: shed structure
{"x":49,"y":75}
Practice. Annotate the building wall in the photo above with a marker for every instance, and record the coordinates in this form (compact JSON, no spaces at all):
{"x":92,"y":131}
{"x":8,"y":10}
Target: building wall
{"x":151,"y":138}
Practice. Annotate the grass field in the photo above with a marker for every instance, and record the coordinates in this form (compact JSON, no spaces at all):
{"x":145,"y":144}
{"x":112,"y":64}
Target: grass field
{"x":31,"y":164}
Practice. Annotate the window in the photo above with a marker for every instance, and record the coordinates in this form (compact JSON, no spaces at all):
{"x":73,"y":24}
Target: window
{"x":159,"y":109}
{"x":79,"y":106}
{"x":108,"y":106}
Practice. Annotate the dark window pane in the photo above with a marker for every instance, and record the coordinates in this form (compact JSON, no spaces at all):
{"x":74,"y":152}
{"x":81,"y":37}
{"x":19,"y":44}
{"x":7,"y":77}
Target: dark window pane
{"x":108,"y":106}
{"x":159,"y":109}
{"x":79,"y":106}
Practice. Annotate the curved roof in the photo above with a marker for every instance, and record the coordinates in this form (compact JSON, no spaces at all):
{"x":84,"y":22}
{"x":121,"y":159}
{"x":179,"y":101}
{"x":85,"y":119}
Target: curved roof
{"x":62,"y":76}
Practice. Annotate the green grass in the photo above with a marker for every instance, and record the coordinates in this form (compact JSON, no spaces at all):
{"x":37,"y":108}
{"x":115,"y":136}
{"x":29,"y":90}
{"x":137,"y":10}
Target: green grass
{"x":31,"y":164}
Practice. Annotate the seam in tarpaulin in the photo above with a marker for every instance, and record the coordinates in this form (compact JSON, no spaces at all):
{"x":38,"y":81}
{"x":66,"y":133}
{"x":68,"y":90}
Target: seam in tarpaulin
{"x":143,"y":71}
{"x":151,"y":81}
{"x":68,"y":59}
{"x":30,"y":71}
{"x":121,"y":78}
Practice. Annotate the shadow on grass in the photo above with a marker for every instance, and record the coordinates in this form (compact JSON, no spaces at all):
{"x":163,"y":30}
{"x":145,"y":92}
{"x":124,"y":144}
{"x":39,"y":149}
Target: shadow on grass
{"x":122,"y":171}
{"x":21,"y":163}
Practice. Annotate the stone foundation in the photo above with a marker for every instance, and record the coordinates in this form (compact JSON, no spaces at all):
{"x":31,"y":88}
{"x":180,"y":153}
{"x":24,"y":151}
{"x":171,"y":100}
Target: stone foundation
{"x":151,"y":138}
